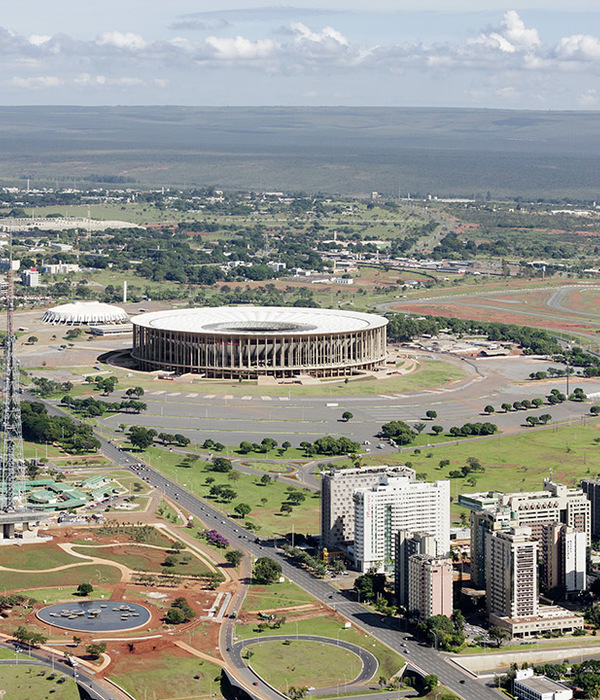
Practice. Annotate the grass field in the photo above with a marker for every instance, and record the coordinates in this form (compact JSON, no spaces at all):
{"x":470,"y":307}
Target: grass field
{"x":31,"y":557}
{"x":27,"y":683}
{"x":274,"y":596}
{"x":58,"y":595}
{"x":167,"y":676}
{"x":329,"y":626}
{"x":512,"y":462}
{"x":303,"y":663}
{"x":85,"y":573}
{"x":146,"y":558}
{"x":305,"y":517}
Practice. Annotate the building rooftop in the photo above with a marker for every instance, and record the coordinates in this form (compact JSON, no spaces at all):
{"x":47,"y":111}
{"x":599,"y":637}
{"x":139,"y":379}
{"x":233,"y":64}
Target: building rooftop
{"x":259,"y":320}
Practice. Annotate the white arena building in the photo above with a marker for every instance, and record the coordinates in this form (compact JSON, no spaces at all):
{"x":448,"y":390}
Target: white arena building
{"x":85,"y":313}
{"x":250,"y":341}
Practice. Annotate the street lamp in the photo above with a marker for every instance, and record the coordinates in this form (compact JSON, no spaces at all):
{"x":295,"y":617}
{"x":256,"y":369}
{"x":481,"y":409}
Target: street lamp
{"x":436,"y":639}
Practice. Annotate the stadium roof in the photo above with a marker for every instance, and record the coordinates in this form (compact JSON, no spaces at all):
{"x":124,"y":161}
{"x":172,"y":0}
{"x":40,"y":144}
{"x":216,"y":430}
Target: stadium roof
{"x":259,"y":320}
{"x":85,"y":312}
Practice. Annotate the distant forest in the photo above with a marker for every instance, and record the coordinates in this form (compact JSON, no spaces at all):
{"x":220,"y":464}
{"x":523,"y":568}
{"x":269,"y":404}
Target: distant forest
{"x":343,"y":151}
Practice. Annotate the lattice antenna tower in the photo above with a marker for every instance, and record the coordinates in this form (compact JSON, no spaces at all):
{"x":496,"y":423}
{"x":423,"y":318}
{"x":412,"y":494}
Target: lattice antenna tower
{"x":12,"y":462}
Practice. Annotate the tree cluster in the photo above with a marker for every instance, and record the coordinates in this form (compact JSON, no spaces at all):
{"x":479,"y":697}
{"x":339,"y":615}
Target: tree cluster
{"x":39,"y":427}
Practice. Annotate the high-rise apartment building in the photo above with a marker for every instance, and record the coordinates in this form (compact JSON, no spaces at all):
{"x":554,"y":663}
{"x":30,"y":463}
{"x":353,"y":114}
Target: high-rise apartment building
{"x":484,"y":522}
{"x":398,"y":503}
{"x":591,"y":488}
{"x":409,"y":543}
{"x":556,"y":503}
{"x":429,"y":585}
{"x":511,"y":573}
{"x":564,"y":558}
{"x":337,"y":504}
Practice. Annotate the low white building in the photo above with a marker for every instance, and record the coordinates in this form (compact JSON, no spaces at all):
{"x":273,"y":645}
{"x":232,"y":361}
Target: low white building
{"x":531,"y":687}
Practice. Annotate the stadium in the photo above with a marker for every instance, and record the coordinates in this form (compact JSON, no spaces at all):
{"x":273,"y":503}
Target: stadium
{"x":248,"y":342}
{"x":89,"y":313}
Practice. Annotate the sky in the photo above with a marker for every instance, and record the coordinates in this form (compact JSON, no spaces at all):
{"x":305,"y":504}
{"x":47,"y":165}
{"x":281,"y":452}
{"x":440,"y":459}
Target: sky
{"x":430,"y":53}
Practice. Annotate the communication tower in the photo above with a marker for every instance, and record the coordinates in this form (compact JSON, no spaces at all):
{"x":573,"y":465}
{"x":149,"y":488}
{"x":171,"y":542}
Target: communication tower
{"x":12,"y":462}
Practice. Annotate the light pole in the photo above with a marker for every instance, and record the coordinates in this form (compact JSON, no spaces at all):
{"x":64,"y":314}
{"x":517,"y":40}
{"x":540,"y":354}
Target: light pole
{"x":296,"y":621}
{"x":436,"y":639}
{"x":338,"y":635}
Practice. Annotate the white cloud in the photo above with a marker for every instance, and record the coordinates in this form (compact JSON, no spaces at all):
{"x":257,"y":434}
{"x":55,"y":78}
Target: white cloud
{"x":38,"y":39}
{"x":589,"y":98}
{"x":239,"y":48}
{"x":120,"y":40}
{"x":579,"y":47}
{"x":36,"y":82}
{"x":511,"y":36}
{"x":329,"y":35}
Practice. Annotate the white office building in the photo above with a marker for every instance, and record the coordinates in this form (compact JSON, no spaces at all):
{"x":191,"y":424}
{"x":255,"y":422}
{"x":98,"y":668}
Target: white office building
{"x":398,"y":503}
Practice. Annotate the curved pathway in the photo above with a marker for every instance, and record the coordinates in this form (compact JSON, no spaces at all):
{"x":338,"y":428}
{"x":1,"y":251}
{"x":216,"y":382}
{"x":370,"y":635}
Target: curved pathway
{"x":368,"y":660}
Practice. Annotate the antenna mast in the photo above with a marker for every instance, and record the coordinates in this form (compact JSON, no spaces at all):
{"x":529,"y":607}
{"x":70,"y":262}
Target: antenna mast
{"x":12,"y":462}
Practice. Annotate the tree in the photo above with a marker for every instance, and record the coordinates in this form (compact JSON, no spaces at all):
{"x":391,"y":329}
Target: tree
{"x":297,"y":693}
{"x":245,"y":447}
{"x":532,"y":420}
{"x":419,"y":427}
{"x":175,"y":616}
{"x":506,"y":407}
{"x":346,"y":416}
{"x":220,"y":464}
{"x":296,"y":498}
{"x":430,"y":682}
{"x":286,"y":508}
{"x":545,"y":417}
{"x":234,"y":557}
{"x":266,"y":571}
{"x":84,"y":589}
{"x":32,"y":340}
{"x":498,"y":635}
{"x":399,"y":431}
{"x":489,"y":409}
{"x":595,"y":410}
{"x":141,"y":437}
{"x":431,"y":414}
{"x":227,"y":494}
{"x":265,"y":479}
{"x":286,"y":445}
{"x":242,"y":509}
{"x":95,"y":649}
{"x":437,"y":429}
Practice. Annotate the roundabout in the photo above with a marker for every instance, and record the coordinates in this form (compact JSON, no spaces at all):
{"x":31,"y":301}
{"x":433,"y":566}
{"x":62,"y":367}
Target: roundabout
{"x":96,"y":615}
{"x":341,"y":666}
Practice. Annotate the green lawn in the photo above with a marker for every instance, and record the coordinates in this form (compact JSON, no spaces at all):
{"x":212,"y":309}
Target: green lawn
{"x":512,"y":462}
{"x":167,"y":676}
{"x":304,"y":517}
{"x":328,"y":626}
{"x":303,"y":663}
{"x":276,"y":595}
{"x":58,"y":595}
{"x":147,"y":558}
{"x":92,"y":573}
{"x":34,"y":556}
{"x":23,"y":682}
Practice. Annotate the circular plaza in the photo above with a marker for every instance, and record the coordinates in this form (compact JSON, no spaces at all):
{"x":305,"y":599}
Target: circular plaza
{"x":251,"y":341}
{"x":96,"y":615}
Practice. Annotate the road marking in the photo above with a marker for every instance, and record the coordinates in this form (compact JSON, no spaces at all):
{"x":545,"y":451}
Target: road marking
{"x":157,"y":393}
{"x":284,"y":398}
{"x":246,"y":398}
{"x":175,"y":393}
{"x":209,"y":396}
{"x":191,"y":396}
{"x":228,"y":397}
{"x":266,"y":398}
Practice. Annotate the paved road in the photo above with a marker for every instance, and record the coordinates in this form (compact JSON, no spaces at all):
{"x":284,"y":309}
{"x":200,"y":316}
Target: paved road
{"x":91,"y":687}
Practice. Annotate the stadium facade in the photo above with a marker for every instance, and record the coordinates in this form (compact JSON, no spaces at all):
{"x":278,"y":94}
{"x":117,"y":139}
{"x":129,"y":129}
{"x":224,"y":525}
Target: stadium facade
{"x":249,"y":341}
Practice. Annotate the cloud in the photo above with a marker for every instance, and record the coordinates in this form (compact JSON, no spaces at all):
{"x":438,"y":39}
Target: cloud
{"x":38,"y":39}
{"x":511,"y":36}
{"x":238,"y":48}
{"x":36,"y":82}
{"x":579,"y":47}
{"x":120,"y":40}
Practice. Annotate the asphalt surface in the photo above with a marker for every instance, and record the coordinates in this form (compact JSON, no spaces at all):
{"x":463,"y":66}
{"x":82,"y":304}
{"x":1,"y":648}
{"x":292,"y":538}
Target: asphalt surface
{"x":91,"y":688}
{"x":231,"y":418}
